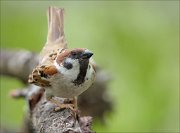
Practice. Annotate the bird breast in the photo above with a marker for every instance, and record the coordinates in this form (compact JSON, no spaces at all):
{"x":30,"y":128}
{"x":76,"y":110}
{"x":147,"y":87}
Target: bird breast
{"x":62,"y":86}
{"x":62,"y":83}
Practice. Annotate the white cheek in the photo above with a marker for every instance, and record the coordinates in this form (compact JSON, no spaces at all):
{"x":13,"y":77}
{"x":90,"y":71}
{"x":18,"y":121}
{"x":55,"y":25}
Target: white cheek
{"x":90,"y":72}
{"x":70,"y":74}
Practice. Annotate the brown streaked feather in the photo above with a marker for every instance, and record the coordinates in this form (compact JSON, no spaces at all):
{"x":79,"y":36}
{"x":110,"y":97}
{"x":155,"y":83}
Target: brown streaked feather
{"x":37,"y":77}
{"x":38,"y":81}
{"x":51,"y":70}
{"x":63,"y":55}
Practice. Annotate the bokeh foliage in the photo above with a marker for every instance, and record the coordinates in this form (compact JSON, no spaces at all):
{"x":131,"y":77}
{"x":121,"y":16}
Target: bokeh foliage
{"x":136,"y":41}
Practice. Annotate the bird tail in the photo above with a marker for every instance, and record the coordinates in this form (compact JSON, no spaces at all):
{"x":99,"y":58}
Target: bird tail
{"x":56,"y":27}
{"x":55,"y":37}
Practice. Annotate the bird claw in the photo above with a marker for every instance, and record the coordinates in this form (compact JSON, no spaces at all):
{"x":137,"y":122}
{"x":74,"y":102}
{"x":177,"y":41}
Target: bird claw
{"x":74,"y":111}
{"x":71,"y":106}
{"x":64,"y":106}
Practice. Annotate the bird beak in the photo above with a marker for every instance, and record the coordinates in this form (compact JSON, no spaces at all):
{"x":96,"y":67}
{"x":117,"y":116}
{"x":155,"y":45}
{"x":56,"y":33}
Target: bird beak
{"x":87,"y":54}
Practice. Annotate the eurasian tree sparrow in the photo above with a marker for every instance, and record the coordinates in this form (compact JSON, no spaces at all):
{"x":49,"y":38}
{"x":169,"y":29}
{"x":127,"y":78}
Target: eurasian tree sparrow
{"x":62,"y":72}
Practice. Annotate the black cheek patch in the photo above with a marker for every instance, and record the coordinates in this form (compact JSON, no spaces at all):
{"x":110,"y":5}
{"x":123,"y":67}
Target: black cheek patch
{"x":67,"y":65}
{"x":83,"y":69}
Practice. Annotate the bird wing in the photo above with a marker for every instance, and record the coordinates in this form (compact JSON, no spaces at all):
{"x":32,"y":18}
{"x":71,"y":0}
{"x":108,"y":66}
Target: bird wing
{"x":55,"y":37}
{"x":41,"y":74}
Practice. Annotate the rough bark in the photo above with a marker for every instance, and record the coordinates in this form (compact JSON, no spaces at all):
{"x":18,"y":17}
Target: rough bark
{"x":42,"y":117}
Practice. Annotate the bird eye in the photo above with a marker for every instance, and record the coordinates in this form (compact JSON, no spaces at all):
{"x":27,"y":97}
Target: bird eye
{"x":68,"y":65}
{"x":73,"y":53}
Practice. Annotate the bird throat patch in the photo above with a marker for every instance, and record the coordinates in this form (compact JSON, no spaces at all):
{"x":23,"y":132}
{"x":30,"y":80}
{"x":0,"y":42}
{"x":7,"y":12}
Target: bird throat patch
{"x":82,"y":73}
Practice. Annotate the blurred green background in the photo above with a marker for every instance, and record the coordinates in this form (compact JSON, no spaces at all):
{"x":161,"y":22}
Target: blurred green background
{"x":136,"y":41}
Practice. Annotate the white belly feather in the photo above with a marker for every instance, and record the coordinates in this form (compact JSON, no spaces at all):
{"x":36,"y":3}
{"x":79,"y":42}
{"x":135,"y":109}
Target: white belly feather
{"x":62,"y":83}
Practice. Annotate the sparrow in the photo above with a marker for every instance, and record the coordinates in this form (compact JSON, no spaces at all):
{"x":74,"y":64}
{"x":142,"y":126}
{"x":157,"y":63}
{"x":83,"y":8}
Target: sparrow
{"x":62,"y":72}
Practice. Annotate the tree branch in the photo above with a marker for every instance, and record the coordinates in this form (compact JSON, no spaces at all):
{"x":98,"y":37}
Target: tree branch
{"x":44,"y":119}
{"x":18,"y":64}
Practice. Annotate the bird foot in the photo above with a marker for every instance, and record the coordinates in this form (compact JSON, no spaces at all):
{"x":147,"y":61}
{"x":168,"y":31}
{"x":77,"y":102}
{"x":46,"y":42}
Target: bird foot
{"x":64,"y":106}
{"x":72,"y":106}
{"x":74,"y":111}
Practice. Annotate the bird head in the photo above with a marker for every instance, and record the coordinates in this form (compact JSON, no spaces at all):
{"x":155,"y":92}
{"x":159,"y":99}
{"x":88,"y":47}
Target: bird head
{"x":73,"y":63}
